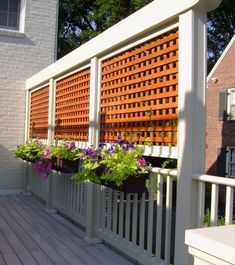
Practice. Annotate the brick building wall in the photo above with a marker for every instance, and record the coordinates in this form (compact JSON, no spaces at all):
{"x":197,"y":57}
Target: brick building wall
{"x":219,"y":133}
{"x":22,"y":54}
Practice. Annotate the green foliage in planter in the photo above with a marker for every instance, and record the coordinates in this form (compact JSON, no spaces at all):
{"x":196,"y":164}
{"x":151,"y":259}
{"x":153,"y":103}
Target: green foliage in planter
{"x":30,"y":151}
{"x":67,"y":150}
{"x":90,"y":168}
{"x":122,"y":161}
{"x":114,"y":164}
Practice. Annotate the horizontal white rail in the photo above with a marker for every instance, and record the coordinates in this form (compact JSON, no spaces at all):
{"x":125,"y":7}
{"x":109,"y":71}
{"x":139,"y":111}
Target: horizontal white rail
{"x":215,"y":180}
{"x":164,"y":171}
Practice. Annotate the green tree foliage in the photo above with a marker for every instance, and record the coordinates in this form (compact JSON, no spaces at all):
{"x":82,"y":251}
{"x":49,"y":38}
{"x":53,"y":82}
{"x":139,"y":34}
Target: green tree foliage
{"x":221,"y":28}
{"x":81,"y":20}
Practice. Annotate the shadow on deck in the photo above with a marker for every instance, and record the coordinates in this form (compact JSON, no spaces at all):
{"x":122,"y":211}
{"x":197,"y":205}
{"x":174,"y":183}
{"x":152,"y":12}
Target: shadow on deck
{"x":29,"y":236}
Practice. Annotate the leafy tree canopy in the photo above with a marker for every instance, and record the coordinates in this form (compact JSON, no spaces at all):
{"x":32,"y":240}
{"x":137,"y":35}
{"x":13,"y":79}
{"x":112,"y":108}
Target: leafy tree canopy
{"x":221,"y":28}
{"x":81,"y":20}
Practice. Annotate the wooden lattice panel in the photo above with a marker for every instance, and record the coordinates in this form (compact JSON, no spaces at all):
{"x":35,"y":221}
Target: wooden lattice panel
{"x":139,"y":92}
{"x":72,"y":106}
{"x":39,"y":113}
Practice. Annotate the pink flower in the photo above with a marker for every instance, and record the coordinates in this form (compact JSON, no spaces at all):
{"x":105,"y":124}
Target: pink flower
{"x":45,"y":177}
{"x":141,"y":162}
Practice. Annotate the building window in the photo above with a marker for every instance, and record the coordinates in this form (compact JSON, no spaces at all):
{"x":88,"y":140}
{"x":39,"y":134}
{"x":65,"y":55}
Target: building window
{"x":227,"y":105}
{"x":231,"y":105}
{"x":9,"y":14}
{"x":231,"y":162}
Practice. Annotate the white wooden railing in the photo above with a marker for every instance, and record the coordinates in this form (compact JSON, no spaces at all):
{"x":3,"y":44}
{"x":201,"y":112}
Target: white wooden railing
{"x":217,"y":185}
{"x":60,"y":193}
{"x":69,"y":198}
{"x":141,"y":225}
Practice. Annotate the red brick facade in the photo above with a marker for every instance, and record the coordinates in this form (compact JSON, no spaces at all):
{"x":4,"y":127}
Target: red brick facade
{"x":219,"y":133}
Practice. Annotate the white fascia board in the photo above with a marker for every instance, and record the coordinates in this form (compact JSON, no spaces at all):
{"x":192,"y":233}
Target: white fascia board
{"x":221,"y":58}
{"x":150,"y":17}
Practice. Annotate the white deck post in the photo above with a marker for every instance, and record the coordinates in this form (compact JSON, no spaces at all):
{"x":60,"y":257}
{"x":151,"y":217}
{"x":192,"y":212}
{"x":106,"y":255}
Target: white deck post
{"x":27,"y":115}
{"x":51,"y":111}
{"x":93,"y":108}
{"x":26,"y":190}
{"x":93,"y":140}
{"x":49,"y":209}
{"x":191,"y":126}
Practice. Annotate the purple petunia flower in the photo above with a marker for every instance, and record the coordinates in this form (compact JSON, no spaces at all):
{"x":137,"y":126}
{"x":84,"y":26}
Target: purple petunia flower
{"x":125,"y":147}
{"x":70,"y":145}
{"x":141,"y":162}
{"x":94,"y":154}
{"x":131,"y":146}
{"x":100,"y":157}
{"x":111,"y":150}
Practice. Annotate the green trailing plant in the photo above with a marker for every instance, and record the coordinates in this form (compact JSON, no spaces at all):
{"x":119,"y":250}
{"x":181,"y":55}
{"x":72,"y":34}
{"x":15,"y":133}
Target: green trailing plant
{"x":44,"y":156}
{"x":91,"y":167}
{"x":30,"y":151}
{"x":67,"y":150}
{"x":122,"y":161}
{"x":113,"y":164}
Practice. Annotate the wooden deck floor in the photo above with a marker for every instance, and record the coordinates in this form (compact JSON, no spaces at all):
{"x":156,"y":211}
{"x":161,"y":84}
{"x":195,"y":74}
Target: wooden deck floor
{"x":29,"y":236}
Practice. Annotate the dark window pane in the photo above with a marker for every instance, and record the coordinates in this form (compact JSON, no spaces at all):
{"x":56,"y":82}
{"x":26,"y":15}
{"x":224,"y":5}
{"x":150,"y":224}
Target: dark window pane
{"x":3,"y":5}
{"x":14,"y":6}
{"x":3,"y":19}
{"x":221,"y":162}
{"x":12,"y":20}
{"x":223,"y":106}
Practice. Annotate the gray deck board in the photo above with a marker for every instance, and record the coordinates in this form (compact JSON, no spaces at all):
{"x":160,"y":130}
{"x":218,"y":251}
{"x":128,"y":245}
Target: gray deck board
{"x":65,"y":241}
{"x":2,"y":261}
{"x":29,"y":236}
{"x":29,"y":243}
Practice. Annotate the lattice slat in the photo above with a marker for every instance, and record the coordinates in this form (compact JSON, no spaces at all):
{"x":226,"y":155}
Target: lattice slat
{"x":72,"y":106}
{"x":39,"y":113}
{"x":139,"y":93}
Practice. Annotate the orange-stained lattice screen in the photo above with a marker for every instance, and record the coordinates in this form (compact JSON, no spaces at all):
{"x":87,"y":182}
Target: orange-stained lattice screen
{"x":39,"y":113}
{"x":72,"y":106}
{"x":139,"y":93}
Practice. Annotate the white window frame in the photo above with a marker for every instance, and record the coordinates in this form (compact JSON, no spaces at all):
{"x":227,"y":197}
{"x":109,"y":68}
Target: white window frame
{"x":14,"y":32}
{"x":229,"y":100}
{"x":229,"y":162}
